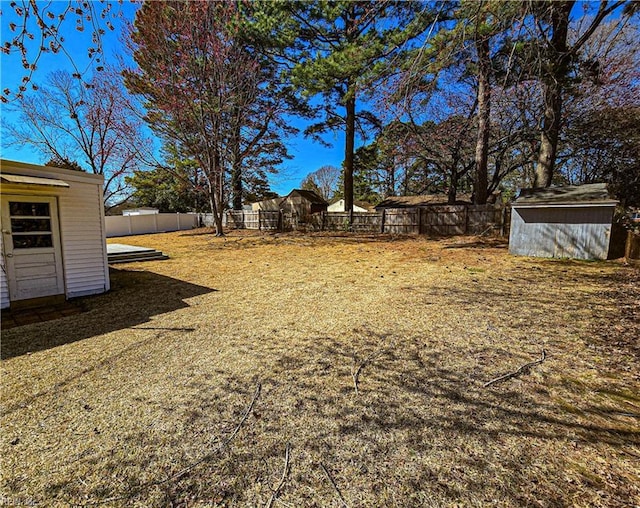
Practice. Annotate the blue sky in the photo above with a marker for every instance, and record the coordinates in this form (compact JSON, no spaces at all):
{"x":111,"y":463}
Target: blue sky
{"x":307,"y":155}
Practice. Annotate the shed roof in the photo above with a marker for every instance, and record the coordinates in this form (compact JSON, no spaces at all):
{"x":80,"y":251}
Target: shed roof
{"x":423,"y":200}
{"x":591,"y":193}
{"x":309,"y":196}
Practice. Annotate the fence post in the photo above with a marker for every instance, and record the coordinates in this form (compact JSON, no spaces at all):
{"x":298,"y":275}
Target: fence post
{"x":384,"y":210}
{"x":503,"y":220}
{"x":351,"y":219}
{"x":259,"y":220}
{"x":419,"y":220}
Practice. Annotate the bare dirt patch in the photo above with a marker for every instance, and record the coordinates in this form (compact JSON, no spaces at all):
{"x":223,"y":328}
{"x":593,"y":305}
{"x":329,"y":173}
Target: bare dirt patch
{"x":150,"y":397}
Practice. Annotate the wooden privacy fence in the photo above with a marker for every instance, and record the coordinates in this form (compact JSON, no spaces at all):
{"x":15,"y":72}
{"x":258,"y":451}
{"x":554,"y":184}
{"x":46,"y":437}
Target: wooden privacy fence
{"x":447,"y":220}
{"x":437,"y":220}
{"x":249,"y":219}
{"x":361,"y":222}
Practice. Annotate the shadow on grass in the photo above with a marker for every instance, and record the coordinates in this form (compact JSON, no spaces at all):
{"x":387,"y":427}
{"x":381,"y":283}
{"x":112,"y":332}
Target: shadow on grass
{"x":487,"y":243}
{"x":455,"y":402}
{"x":202,"y":231}
{"x":418,"y":398}
{"x":134,"y":298}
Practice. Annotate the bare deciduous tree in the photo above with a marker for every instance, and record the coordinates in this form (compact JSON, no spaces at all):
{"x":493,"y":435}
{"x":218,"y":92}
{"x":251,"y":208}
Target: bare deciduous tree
{"x":324,"y":181}
{"x":38,"y":28}
{"x":92,"y":125}
{"x":558,"y":56}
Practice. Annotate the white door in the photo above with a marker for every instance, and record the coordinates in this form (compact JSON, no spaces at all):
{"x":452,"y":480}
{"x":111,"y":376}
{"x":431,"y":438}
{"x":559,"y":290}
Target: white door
{"x":31,"y":241}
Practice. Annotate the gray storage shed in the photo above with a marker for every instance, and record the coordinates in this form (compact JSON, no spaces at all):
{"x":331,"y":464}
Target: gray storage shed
{"x":562,"y":222}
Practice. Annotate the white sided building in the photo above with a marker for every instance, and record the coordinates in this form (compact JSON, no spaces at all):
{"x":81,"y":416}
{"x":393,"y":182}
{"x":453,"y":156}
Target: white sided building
{"x":53,"y":234}
{"x":337,"y":205}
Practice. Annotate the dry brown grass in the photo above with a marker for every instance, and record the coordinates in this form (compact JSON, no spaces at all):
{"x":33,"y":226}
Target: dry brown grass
{"x":156,"y":375}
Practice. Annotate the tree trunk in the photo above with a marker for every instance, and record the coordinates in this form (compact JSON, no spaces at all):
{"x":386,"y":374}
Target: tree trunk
{"x":236,"y":165}
{"x":348,"y":153}
{"x":391,"y":189}
{"x":236,"y":185}
{"x":484,"y":111}
{"x":453,"y":187}
{"x":552,"y":81}
{"x":550,"y":133}
{"x":216,"y":193}
{"x":217,"y":217}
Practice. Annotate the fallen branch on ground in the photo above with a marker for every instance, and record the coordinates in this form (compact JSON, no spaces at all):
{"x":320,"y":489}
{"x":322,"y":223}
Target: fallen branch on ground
{"x":355,"y":374}
{"x":185,"y":470}
{"x":326,"y":472}
{"x":522,"y":369}
{"x":285,"y":472}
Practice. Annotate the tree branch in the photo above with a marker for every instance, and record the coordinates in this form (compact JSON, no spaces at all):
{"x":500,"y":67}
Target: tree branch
{"x":191,"y":466}
{"x":522,"y":369}
{"x":285,"y":472}
{"x":603,"y":12}
{"x":335,"y":487}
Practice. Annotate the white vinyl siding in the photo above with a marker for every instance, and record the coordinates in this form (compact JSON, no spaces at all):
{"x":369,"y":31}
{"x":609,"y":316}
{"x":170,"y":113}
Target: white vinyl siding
{"x":82,"y":232}
{"x":4,"y":287}
{"x":82,"y":239}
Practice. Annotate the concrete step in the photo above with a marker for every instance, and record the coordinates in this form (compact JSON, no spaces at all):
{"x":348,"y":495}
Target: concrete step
{"x":134,"y":260}
{"x":137,"y":253}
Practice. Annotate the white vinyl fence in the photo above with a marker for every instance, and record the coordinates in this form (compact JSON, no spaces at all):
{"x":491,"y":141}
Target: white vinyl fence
{"x":125,"y":225}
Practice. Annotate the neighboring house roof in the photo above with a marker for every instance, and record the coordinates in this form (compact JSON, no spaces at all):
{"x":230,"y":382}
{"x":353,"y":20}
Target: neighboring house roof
{"x":270,"y":200}
{"x":362,"y":204}
{"x":592,"y":193}
{"x":309,"y":196}
{"x":424,"y":200}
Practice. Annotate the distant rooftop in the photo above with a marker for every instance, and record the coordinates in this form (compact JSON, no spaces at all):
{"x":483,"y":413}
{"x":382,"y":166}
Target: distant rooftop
{"x":423,"y":200}
{"x":309,"y":196}
{"x":361,"y":204}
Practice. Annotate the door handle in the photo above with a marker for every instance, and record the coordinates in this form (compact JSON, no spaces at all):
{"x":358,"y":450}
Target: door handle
{"x":9,"y":255}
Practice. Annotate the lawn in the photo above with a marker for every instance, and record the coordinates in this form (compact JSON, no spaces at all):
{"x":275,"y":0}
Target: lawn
{"x":301,"y":370}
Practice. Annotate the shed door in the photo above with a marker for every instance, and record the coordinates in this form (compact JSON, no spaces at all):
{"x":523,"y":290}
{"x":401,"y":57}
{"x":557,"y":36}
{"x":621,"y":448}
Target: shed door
{"x":31,"y":240}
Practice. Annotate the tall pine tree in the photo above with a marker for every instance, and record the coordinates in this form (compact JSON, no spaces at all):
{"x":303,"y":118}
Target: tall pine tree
{"x":342,"y":50}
